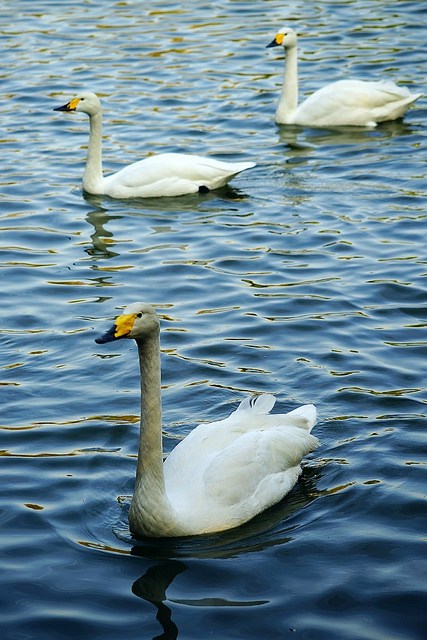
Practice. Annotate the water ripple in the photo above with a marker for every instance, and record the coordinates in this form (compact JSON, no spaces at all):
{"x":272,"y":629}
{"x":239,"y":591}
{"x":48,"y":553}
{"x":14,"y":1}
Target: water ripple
{"x":304,"y":278}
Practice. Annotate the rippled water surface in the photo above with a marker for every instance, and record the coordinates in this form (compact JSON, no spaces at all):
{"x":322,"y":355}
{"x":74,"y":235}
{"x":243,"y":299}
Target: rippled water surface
{"x":303,"y":278}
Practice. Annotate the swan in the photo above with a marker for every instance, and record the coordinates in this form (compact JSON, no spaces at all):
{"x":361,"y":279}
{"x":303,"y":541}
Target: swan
{"x":166,"y":174}
{"x":346,"y":102}
{"x":223,"y":473}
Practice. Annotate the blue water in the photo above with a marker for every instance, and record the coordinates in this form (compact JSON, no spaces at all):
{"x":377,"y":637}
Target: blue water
{"x":304,"y":278}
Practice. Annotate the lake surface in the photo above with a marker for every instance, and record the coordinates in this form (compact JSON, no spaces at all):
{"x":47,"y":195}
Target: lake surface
{"x":304,"y":278}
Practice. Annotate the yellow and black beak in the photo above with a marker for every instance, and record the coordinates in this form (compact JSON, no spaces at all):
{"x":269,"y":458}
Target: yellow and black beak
{"x":120,"y":329}
{"x":276,"y":42}
{"x":70,"y":106}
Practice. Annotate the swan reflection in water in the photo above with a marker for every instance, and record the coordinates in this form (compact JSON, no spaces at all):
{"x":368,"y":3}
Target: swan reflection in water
{"x":152,"y":587}
{"x":270,"y":528}
{"x":158,"y":211}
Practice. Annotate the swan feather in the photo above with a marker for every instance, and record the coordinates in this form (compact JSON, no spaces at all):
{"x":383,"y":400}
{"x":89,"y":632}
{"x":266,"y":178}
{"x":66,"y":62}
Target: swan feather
{"x":171,"y":174}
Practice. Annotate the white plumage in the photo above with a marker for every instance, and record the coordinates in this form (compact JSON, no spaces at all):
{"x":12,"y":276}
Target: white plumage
{"x":166,"y":174}
{"x":346,"y":102}
{"x":223,"y":473}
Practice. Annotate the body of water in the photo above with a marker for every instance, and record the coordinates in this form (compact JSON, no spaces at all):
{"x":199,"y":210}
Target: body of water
{"x":303,"y":278}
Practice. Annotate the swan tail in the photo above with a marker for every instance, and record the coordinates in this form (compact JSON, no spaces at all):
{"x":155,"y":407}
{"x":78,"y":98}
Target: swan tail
{"x":304,"y":417}
{"x":260,"y":405}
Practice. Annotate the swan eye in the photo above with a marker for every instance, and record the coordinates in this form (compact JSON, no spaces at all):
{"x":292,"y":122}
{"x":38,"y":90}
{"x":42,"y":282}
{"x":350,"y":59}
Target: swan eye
{"x":139,"y":315}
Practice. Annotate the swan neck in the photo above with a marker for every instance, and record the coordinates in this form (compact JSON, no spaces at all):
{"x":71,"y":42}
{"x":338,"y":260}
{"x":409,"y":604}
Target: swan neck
{"x":92,"y":177}
{"x":150,"y":511}
{"x":150,"y":453}
{"x":288,"y":100}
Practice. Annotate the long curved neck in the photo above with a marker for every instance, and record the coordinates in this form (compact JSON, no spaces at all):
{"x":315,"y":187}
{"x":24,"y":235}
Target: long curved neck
{"x":288,"y":100}
{"x":92,"y":177}
{"x":150,"y":510}
{"x":150,"y":453}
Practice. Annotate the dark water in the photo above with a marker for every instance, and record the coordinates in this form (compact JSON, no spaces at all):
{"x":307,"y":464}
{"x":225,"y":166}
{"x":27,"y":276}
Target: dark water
{"x":304,"y":279}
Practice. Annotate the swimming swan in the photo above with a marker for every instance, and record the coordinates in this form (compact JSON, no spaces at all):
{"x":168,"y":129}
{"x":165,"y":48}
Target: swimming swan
{"x":223,"y":473}
{"x":166,"y":174}
{"x":346,"y":102}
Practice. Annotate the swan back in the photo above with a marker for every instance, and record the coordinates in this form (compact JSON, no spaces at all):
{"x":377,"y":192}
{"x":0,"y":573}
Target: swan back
{"x":228,"y":471}
{"x":171,"y":174}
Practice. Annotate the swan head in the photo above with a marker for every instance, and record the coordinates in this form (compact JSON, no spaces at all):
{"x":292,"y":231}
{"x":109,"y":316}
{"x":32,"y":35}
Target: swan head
{"x":138,"y":321}
{"x":86,"y":101}
{"x":286,"y":38}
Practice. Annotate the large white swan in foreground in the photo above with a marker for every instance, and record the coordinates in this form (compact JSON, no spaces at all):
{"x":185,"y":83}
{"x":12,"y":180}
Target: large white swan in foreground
{"x":346,"y":102}
{"x":223,"y":473}
{"x":166,"y":174}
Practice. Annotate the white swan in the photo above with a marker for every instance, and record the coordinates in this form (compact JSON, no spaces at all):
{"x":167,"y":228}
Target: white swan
{"x":166,"y":174}
{"x":346,"y":102}
{"x":223,"y":473}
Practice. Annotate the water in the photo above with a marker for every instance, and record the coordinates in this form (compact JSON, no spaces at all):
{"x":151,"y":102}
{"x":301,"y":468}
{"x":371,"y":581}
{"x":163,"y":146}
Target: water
{"x":303,"y":279}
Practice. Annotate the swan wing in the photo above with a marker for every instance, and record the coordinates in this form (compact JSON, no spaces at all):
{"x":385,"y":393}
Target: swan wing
{"x":258,"y":469}
{"x":355,"y":102}
{"x":210,"y":438}
{"x":225,"y":488}
{"x":171,"y":174}
{"x":227,"y":471}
